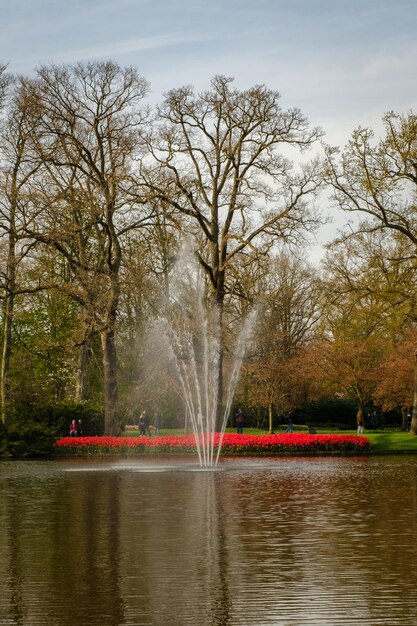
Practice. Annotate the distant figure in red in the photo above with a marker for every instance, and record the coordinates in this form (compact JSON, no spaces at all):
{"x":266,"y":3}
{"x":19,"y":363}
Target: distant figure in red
{"x":239,"y":421}
{"x":73,"y":429}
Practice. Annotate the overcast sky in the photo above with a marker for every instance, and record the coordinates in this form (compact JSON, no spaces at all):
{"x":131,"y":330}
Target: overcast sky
{"x":343,"y":62}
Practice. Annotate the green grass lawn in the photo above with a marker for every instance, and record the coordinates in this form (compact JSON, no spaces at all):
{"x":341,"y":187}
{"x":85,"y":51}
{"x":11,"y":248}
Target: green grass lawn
{"x":392,"y":441}
{"x":382,"y":441}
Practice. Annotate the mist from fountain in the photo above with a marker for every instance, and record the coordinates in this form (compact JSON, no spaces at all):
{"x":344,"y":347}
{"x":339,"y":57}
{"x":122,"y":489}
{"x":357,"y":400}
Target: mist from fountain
{"x":194,"y":332}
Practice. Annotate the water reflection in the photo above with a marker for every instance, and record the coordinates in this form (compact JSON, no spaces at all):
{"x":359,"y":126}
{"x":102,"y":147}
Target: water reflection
{"x":283,"y":542}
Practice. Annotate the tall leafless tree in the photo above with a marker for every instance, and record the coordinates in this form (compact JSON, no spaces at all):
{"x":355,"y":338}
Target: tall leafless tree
{"x":220,"y":160}
{"x":88,"y":117}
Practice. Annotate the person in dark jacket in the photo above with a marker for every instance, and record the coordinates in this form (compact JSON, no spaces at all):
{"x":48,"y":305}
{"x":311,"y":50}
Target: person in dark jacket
{"x":144,"y":424}
{"x":239,"y":421}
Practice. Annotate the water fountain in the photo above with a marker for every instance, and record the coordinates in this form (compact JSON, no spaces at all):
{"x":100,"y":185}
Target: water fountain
{"x":194,"y":331}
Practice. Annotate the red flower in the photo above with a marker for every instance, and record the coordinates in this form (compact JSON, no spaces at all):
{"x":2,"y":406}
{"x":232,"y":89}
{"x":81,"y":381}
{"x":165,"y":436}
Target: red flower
{"x":232,"y":443}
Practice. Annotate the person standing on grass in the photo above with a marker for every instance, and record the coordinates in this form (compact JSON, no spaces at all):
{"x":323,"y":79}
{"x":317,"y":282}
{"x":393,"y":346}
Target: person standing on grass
{"x":239,"y":421}
{"x":141,"y":424}
{"x":146,"y":421}
{"x":290,"y":426}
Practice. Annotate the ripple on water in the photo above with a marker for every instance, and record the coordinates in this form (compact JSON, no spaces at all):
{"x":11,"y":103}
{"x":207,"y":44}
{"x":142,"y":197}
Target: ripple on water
{"x":288,"y":542}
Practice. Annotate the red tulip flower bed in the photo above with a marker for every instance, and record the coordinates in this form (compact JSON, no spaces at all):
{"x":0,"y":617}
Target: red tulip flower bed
{"x":268,"y":445}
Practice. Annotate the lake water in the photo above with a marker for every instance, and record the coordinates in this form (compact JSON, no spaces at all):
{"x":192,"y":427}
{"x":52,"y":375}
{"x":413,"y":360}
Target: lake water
{"x":287,"y":541}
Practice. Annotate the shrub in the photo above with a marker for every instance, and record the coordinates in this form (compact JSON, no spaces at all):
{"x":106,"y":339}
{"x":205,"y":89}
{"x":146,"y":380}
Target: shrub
{"x":58,"y":416}
{"x":30,"y":440}
{"x":335,"y":411}
{"x":3,"y":440}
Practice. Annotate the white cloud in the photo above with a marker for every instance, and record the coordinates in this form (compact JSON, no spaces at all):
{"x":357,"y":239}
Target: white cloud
{"x":128,"y":47}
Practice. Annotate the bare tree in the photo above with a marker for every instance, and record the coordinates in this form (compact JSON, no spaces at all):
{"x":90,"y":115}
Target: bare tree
{"x":19,"y":167}
{"x":218,"y":159}
{"x":293,"y":302}
{"x":88,"y":117}
{"x":5,"y":80}
{"x":291,"y":309}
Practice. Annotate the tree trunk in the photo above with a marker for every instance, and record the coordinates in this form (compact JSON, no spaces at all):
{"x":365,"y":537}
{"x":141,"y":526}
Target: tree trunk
{"x":271,"y":419}
{"x":108,"y":335}
{"x":6,"y":354}
{"x":220,"y":405}
{"x":413,"y":427}
{"x":359,"y":415}
{"x":405,"y":413}
{"x":111,"y":422}
{"x":8,"y":310}
{"x":81,"y":380}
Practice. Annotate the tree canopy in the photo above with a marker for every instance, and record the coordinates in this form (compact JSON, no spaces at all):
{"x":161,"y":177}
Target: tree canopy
{"x":99,"y":190}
